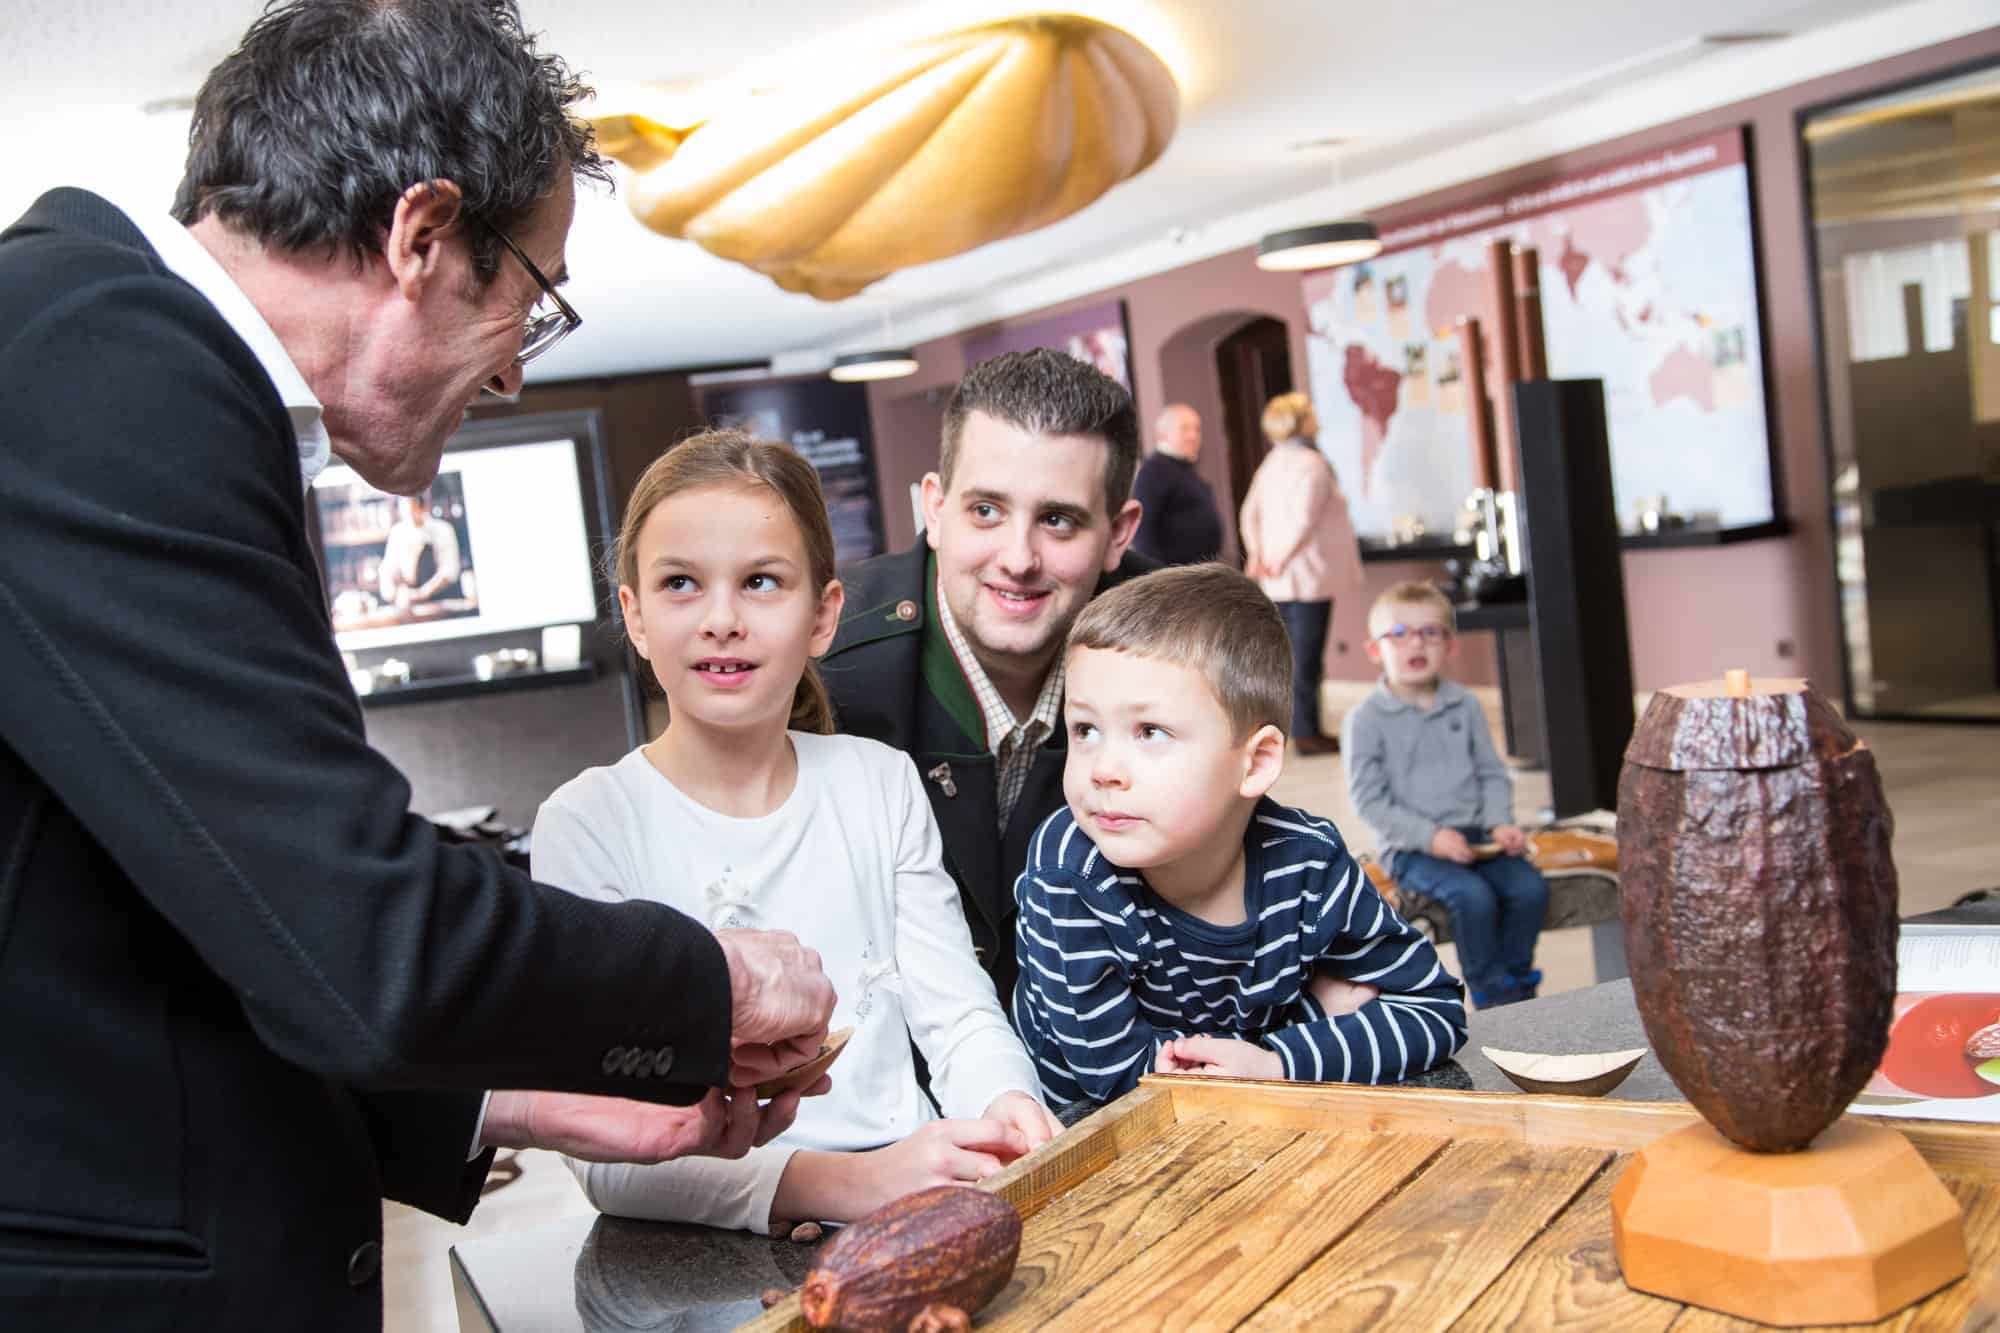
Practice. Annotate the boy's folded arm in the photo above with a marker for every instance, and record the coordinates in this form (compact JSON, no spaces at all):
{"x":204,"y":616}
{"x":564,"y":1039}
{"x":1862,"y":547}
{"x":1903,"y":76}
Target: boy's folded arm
{"x":1076,"y":980}
{"x":1416,"y":1021}
{"x":1390,"y":1038}
{"x":1108,"y":1061}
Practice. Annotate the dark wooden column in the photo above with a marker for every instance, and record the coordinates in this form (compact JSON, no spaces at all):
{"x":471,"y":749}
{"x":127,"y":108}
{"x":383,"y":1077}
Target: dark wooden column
{"x":1576,"y":590}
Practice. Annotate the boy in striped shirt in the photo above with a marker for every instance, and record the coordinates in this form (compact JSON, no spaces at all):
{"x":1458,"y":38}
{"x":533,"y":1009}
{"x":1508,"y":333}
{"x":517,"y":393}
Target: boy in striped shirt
{"x":1175,"y":918}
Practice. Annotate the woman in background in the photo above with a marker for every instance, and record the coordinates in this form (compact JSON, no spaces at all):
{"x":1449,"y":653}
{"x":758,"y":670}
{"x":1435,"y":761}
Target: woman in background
{"x":1299,"y":545}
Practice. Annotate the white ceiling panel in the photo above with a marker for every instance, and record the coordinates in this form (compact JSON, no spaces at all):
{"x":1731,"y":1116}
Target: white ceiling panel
{"x":1260,"y":78}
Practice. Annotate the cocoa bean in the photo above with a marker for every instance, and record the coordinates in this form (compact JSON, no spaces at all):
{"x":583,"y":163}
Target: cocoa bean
{"x":941,"y":1319}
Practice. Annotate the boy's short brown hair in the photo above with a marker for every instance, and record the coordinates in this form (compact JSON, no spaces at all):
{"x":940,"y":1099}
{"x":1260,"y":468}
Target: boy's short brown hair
{"x":1208,"y":617}
{"x":1412,"y":592}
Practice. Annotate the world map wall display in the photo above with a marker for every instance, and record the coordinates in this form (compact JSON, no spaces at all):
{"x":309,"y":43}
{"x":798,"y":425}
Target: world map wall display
{"x":1648,"y":282}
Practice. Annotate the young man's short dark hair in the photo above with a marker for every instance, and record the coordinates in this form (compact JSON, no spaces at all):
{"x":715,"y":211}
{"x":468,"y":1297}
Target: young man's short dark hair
{"x":1045,"y":392}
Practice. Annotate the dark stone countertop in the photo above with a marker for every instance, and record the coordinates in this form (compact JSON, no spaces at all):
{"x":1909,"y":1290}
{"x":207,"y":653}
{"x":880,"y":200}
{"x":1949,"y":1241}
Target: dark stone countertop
{"x":1578,"y":1022}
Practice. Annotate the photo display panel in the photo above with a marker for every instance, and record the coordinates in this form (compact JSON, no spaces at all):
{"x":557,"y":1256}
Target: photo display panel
{"x":497,"y":543}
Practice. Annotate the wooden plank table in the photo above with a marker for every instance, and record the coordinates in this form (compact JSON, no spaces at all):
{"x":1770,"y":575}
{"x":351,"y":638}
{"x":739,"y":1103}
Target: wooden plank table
{"x":1199,"y":1203}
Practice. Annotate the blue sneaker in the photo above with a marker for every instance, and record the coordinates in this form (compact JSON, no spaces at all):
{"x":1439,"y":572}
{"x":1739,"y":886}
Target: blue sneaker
{"x":1501,"y":990}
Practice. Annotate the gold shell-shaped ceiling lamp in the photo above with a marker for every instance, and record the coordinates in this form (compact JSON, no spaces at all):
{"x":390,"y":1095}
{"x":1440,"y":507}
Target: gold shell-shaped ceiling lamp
{"x":922,"y":154}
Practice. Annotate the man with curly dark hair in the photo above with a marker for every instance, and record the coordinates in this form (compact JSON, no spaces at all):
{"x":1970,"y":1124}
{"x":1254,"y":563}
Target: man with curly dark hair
{"x":247,"y":994}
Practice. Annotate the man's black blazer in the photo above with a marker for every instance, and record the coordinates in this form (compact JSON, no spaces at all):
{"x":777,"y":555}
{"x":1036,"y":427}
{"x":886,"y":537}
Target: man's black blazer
{"x":244,"y":993}
{"x":876,"y":673}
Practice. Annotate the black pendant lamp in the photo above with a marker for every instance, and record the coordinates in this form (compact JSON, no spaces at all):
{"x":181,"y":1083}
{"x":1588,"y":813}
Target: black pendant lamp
{"x":1323,"y":245}
{"x":885,"y":364}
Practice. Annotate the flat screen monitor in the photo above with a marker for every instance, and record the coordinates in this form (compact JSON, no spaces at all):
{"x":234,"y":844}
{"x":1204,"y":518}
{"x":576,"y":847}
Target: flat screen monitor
{"x":500,"y":542}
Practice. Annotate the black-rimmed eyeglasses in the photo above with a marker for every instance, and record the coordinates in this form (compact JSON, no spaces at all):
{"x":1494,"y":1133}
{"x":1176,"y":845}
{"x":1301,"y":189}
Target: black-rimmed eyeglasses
{"x":544,"y":329}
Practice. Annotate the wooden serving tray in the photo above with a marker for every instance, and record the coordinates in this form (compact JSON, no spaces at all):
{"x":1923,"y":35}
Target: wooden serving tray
{"x":1205,"y":1203}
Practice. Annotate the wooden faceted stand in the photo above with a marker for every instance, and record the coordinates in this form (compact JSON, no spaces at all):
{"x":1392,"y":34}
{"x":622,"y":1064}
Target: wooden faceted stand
{"x":1848,"y":1231}
{"x":1833,"y":1220}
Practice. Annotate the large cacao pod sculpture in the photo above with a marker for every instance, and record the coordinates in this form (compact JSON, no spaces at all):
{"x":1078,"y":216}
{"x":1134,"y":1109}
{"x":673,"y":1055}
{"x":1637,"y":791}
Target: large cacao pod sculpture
{"x":948,"y":1245}
{"x":1759,"y":903}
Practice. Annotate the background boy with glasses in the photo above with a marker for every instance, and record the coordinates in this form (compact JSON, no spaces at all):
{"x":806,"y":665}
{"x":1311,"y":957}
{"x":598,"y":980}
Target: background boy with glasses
{"x":1423,"y":773}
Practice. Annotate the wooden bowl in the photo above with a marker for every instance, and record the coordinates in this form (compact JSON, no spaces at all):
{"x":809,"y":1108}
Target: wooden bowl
{"x":809,"y":1072}
{"x":1591,"y":1075}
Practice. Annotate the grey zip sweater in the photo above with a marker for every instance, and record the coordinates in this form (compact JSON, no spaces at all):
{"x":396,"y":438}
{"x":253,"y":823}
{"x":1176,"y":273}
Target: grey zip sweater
{"x":1411,"y":771}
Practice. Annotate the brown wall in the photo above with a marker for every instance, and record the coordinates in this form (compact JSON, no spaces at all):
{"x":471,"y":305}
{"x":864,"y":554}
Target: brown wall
{"x":1693,"y":611}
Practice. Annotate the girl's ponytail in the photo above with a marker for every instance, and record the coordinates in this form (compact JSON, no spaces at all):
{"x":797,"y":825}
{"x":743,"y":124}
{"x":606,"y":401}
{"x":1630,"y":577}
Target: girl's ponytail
{"x":812,"y":707}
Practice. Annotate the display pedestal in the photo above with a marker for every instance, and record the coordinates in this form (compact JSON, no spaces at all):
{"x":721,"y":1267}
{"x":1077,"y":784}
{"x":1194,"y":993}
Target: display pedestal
{"x":1848,"y":1231}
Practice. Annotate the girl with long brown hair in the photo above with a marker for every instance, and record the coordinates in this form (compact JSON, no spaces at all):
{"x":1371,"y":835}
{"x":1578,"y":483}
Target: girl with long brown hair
{"x":746,"y":813}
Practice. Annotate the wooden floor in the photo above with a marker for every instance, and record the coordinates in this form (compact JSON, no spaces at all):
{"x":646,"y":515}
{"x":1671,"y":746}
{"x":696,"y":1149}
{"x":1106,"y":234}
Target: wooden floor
{"x":1942,"y":781}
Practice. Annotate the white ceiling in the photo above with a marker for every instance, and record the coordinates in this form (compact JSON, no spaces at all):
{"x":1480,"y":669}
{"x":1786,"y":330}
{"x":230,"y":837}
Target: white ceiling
{"x":1259,"y":78}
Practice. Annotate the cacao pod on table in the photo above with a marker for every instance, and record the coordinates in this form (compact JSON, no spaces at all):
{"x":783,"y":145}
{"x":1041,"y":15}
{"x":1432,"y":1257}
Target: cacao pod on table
{"x":948,"y":1245}
{"x":1759,"y":904}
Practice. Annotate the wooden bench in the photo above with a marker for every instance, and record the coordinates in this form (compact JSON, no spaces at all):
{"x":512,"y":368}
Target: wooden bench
{"x":1580,"y":861}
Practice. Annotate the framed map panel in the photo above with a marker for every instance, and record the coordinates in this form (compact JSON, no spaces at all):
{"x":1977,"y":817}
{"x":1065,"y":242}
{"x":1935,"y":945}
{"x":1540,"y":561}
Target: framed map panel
{"x":1648,"y":282}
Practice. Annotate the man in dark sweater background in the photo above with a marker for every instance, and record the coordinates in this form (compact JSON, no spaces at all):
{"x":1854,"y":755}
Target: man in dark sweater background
{"x":1181,"y":525}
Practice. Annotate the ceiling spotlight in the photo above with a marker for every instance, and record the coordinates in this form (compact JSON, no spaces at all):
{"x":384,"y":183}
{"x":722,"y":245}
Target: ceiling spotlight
{"x":1324,"y":245}
{"x":887,"y":364}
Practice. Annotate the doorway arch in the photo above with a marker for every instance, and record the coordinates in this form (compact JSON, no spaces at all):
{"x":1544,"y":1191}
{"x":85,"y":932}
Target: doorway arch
{"x":1226,"y":366}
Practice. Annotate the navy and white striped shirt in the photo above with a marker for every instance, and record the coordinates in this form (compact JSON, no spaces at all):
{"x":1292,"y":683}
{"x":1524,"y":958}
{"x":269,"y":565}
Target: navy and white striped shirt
{"x":1110,"y":971}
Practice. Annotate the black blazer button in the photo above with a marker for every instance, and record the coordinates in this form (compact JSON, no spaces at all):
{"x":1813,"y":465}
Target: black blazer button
{"x":365,"y":1264}
{"x":614,"y":1059}
{"x":663,"y":1061}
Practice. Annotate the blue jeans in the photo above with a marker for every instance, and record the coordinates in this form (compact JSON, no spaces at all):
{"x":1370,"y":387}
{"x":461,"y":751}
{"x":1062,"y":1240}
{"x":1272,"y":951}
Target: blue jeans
{"x":1497,"y":907}
{"x":1305,"y":625}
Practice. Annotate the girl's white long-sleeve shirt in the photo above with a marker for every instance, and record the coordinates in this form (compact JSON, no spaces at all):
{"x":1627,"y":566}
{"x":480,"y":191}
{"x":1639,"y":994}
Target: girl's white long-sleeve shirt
{"x":851,"y":862}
